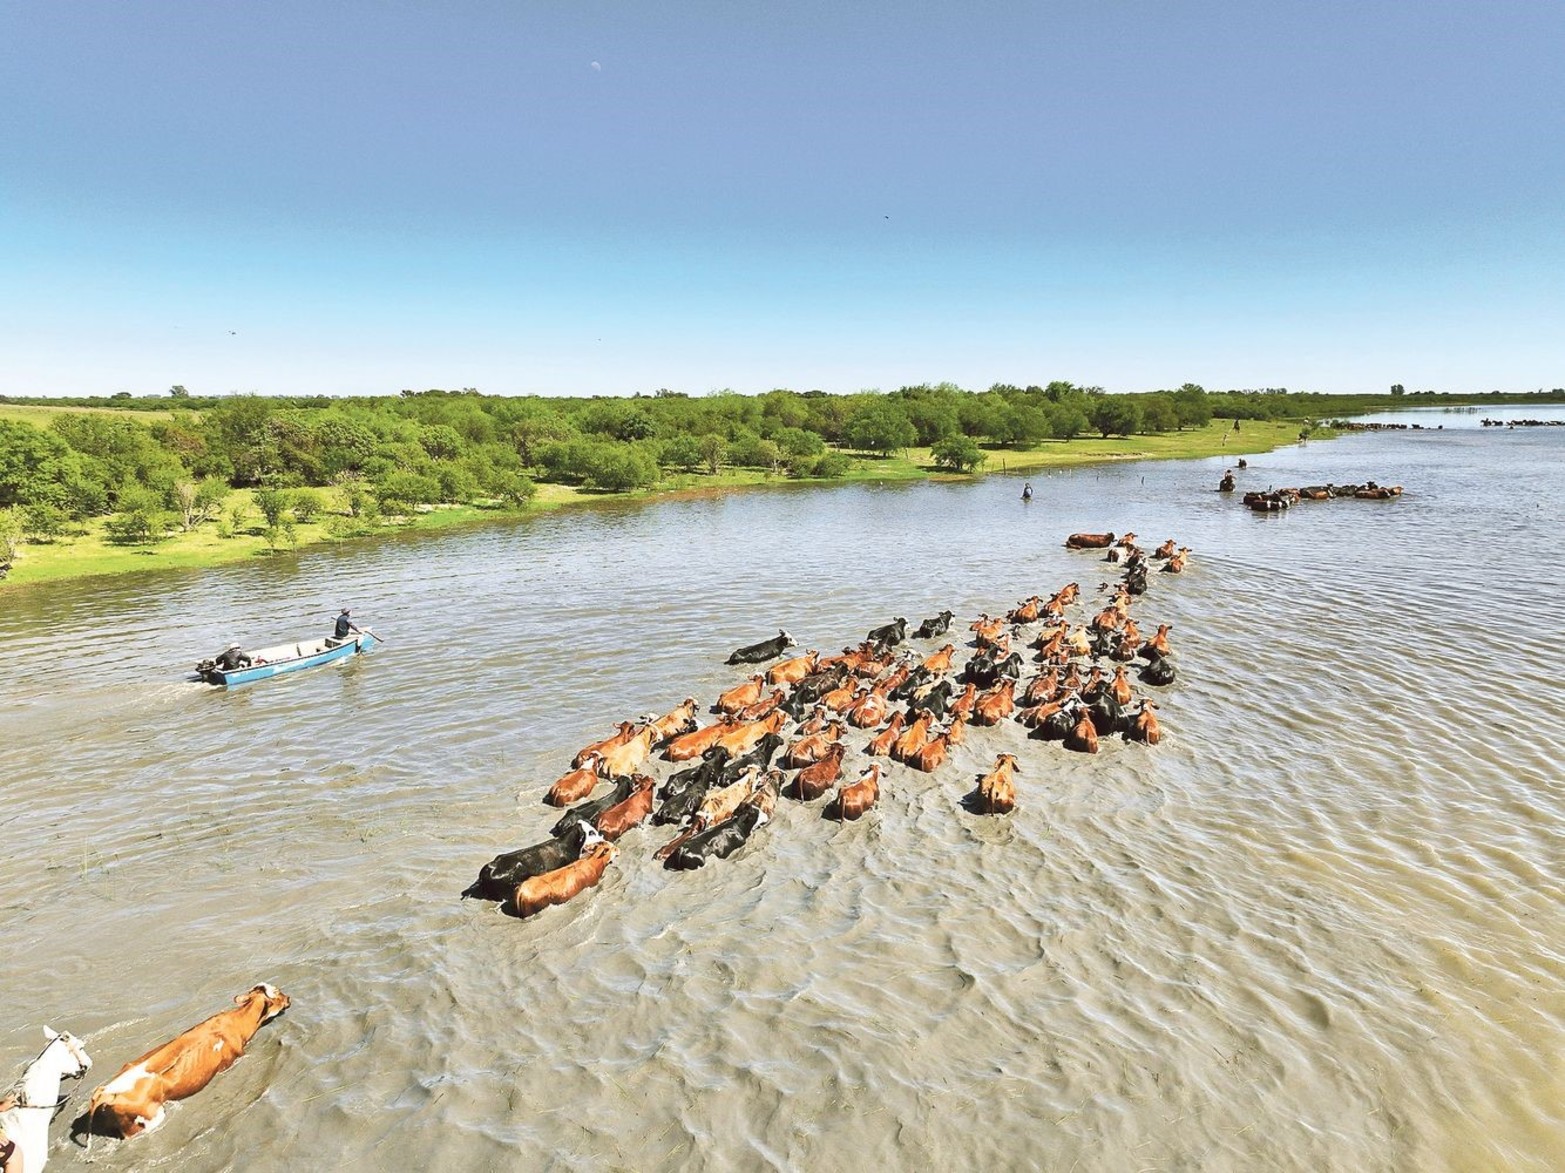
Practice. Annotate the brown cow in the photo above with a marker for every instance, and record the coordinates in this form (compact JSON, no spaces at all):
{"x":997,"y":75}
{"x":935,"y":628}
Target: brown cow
{"x":1125,"y":649}
{"x":880,"y":745}
{"x":1159,"y":642}
{"x":571,"y":788}
{"x":794,"y":670}
{"x":996,"y":794}
{"x":1026,"y":611}
{"x":680,"y":719}
{"x":1119,"y":688}
{"x":840,"y":699}
{"x":537,"y":893}
{"x":622,"y":760}
{"x":857,"y":797}
{"x":132,"y":1102}
{"x":1035,"y":715}
{"x":963,"y":705}
{"x":1177,"y":563}
{"x":741,"y":739}
{"x":869,"y":710}
{"x":989,"y":633}
{"x":1145,"y":727}
{"x":1042,"y":687}
{"x":815,"y":780}
{"x":932,"y":753}
{"x":622,"y":816}
{"x":811,"y":748}
{"x":913,"y":738}
{"x":937,"y":662}
{"x":761,"y":708}
{"x":697,"y":742}
{"x":627,"y":730}
{"x":1083,"y":737}
{"x":819,"y":721}
{"x":1089,"y":541}
{"x":995,"y":705}
{"x":1165,"y":551}
{"x":740,"y":695}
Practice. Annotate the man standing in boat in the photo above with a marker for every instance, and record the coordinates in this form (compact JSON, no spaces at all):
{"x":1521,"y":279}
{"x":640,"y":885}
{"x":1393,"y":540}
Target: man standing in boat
{"x":345,"y":626}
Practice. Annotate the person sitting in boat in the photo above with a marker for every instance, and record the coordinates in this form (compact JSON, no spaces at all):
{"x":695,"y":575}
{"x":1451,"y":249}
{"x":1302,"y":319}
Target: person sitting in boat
{"x":345,"y":627}
{"x":231,"y":657}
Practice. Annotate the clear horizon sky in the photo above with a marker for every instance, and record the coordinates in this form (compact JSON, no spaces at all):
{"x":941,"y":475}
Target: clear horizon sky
{"x":542,"y":196}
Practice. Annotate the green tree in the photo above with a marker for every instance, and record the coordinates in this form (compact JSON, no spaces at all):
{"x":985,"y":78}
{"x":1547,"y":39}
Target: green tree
{"x":1158,"y":413}
{"x":305,"y":505}
{"x":514,"y":488}
{"x":272,"y":503}
{"x":1192,"y":407}
{"x":621,"y":467}
{"x":713,"y":449}
{"x":10,"y":538}
{"x":960,"y":453}
{"x":879,"y":425}
{"x":196,"y":503}
{"x":35,"y":465}
{"x":682,"y":452}
{"x":1116,"y":415}
{"x":1398,"y":390}
{"x":43,"y":521}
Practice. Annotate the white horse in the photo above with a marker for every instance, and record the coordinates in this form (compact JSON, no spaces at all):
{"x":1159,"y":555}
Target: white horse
{"x":28,"y":1122}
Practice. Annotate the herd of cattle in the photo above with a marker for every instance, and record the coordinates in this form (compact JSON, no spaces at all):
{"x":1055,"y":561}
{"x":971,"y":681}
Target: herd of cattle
{"x":785,"y":732}
{"x":1276,"y":500}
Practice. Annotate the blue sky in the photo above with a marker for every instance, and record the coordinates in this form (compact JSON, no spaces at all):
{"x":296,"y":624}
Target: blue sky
{"x":580,"y":197}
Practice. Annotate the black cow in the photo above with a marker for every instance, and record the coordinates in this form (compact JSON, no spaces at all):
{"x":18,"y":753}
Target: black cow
{"x":985,"y":670}
{"x":767,"y":649}
{"x":1136,"y":580}
{"x":684,"y":802}
{"x":760,"y":757}
{"x":718,"y":841}
{"x":811,"y":689}
{"x":889,"y":635}
{"x":588,"y":812}
{"x":707,"y":772}
{"x":497,"y":879}
{"x":931,"y":698}
{"x":1159,"y":671}
{"x":1055,"y":726}
{"x":939,"y":625}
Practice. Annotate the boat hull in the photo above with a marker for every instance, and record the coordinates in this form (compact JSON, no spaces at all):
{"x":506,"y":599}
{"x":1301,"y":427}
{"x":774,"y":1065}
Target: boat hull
{"x":294,"y":657}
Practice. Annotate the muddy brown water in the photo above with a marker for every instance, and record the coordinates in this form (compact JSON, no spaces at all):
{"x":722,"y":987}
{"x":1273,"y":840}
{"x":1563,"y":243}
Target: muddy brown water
{"x":1319,"y":927}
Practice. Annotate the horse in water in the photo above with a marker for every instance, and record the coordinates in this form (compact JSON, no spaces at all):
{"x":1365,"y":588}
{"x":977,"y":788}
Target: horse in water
{"x":26,"y":1122}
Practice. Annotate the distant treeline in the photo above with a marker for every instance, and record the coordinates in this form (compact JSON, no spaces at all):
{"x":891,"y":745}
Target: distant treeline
{"x":396,"y":452}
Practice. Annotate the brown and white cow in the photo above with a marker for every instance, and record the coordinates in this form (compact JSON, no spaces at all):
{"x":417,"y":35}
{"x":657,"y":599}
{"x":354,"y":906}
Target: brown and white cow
{"x":133,"y":1101}
{"x":680,"y":719}
{"x":626,"y":730}
{"x":622,"y":760}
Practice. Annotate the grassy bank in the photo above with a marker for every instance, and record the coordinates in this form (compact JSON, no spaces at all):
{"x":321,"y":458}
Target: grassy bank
{"x":89,"y":553}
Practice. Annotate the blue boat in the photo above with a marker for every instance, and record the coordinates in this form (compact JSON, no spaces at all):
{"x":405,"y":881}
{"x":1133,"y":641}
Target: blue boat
{"x":294,"y":657}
